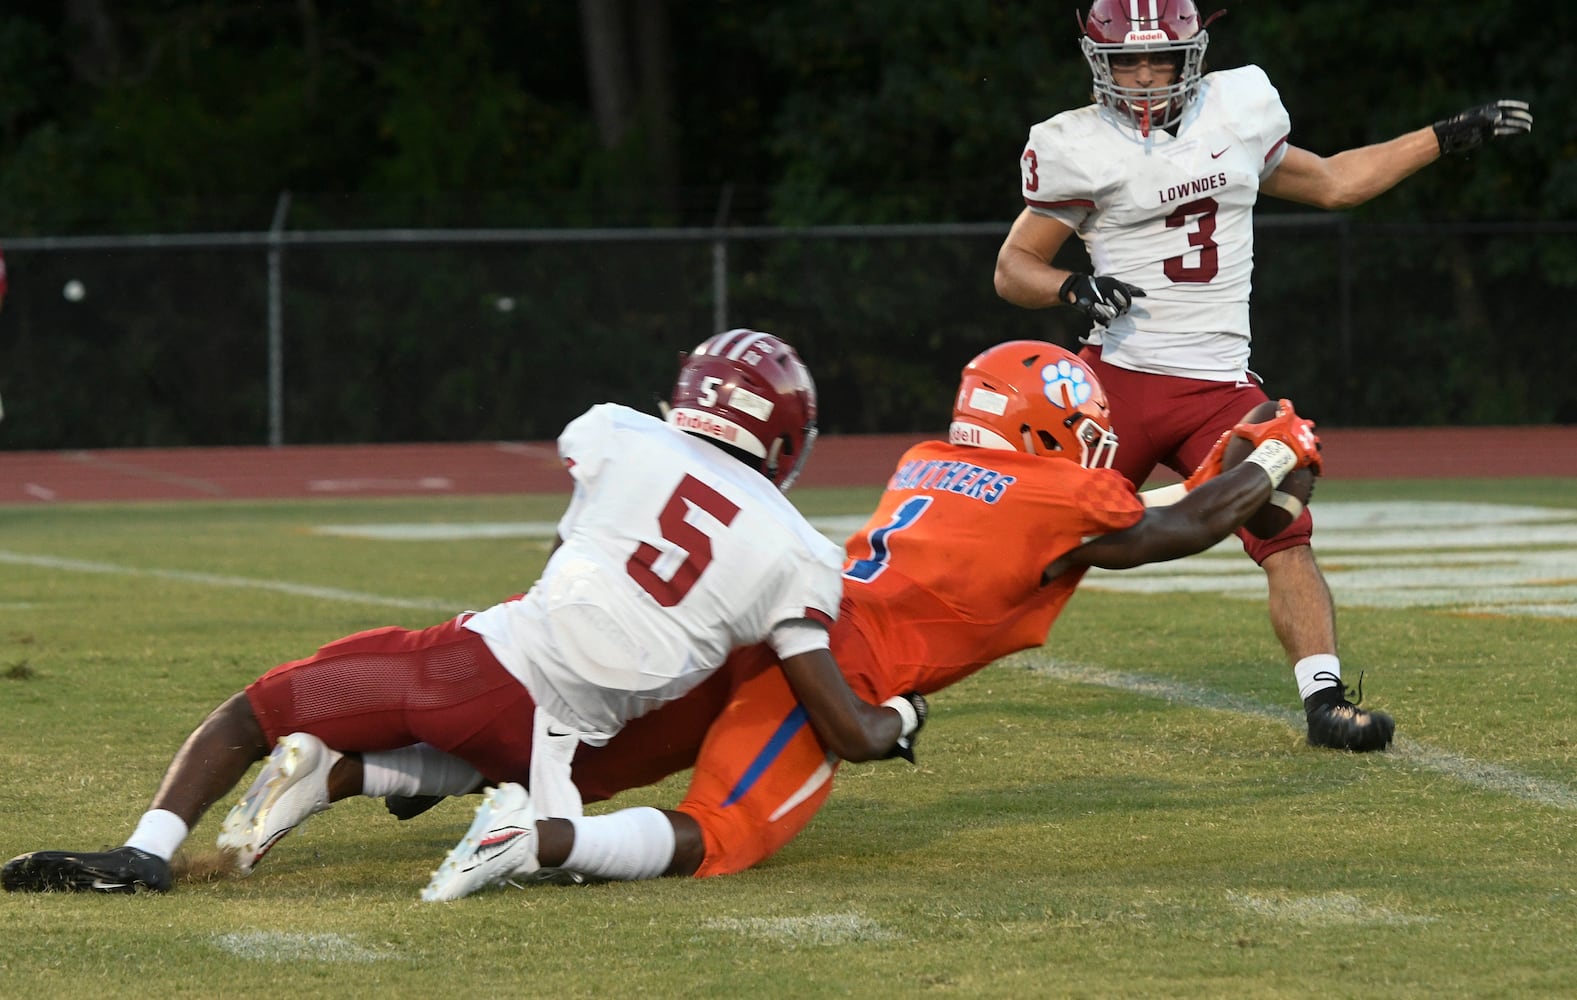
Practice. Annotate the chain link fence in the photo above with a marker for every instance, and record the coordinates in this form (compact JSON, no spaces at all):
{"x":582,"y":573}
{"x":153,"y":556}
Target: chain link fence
{"x":305,"y":337}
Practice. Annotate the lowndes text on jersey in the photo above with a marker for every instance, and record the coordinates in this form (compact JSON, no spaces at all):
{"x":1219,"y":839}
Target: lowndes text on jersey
{"x":1192,"y":188}
{"x":964,"y":478}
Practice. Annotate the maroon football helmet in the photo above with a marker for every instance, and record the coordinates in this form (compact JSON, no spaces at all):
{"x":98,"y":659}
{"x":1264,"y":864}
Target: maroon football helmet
{"x":1034,"y":397}
{"x":750,"y":391}
{"x":1160,"y":29}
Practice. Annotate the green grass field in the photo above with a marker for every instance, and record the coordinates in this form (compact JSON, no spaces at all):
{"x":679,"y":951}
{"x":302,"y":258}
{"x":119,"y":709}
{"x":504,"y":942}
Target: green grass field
{"x":1130,"y":811}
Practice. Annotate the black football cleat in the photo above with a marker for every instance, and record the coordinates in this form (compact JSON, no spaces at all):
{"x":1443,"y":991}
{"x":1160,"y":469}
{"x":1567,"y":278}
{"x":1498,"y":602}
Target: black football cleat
{"x":1340,"y":724}
{"x":123,"y":870}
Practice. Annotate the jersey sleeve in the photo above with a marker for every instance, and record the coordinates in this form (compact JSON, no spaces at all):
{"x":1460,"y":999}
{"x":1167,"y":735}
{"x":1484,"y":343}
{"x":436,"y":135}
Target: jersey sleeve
{"x":1053,"y":181}
{"x":813,"y":582}
{"x":1066,"y":510}
{"x":1262,"y":118}
{"x":1106,"y":504}
{"x":588,"y":441}
{"x":583,"y":448}
{"x":791,"y":638}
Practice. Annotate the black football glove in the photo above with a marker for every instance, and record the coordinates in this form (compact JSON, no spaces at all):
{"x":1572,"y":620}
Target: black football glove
{"x":1102,"y":299}
{"x":1473,"y":127}
{"x":905,"y":746}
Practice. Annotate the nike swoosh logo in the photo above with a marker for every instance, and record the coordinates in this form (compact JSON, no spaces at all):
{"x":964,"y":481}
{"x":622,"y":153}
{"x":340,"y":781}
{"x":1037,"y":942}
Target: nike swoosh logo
{"x":499,"y":838}
{"x":1217,"y":156}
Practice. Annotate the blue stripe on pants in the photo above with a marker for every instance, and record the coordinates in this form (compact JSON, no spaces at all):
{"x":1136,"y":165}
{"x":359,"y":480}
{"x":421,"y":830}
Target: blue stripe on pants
{"x":792,"y":724}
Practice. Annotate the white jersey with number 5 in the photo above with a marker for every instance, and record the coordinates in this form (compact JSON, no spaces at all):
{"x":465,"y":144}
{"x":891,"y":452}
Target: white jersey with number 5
{"x":1172,"y":214}
{"x":673,"y":554}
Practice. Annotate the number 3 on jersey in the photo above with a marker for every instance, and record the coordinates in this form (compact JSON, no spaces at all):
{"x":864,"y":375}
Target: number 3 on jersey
{"x":689,"y":539}
{"x":1201,"y":238}
{"x":866,"y":570}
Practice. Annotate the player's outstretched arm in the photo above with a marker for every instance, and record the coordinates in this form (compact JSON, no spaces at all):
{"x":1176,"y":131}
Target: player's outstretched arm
{"x":1214,"y":509}
{"x":846,"y":724}
{"x":1354,"y":176}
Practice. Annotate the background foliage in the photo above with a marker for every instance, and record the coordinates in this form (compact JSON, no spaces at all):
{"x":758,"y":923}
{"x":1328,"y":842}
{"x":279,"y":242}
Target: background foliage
{"x":169,"y":117}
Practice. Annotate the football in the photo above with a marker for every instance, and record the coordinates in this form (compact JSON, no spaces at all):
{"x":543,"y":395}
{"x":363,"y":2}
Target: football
{"x":1270,"y":520}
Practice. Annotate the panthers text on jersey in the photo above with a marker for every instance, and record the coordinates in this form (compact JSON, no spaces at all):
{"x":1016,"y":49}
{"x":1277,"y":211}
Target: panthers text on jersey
{"x":945,"y":577}
{"x":673,"y":553}
{"x":1172,"y":214}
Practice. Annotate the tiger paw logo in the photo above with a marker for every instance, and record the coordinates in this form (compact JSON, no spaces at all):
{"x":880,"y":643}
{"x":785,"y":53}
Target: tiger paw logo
{"x":1066,"y":384}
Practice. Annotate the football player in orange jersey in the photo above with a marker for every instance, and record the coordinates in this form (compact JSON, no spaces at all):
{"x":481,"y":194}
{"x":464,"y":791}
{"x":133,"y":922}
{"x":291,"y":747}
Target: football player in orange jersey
{"x":977,"y":544}
{"x":974,"y":549}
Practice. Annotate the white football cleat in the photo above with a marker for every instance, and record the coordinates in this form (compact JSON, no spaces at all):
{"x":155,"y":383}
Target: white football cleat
{"x":293,"y":785}
{"x":500,"y":845}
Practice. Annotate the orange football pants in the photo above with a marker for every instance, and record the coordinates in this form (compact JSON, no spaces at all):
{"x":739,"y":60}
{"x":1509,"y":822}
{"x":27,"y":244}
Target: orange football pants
{"x":760,"y":772}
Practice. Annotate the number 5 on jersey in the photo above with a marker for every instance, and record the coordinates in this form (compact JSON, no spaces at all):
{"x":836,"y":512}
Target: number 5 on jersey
{"x":689,"y":539}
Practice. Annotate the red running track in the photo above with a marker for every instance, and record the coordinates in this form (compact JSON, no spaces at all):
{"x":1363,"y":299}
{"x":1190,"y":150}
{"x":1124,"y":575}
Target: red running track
{"x":532,"y":467}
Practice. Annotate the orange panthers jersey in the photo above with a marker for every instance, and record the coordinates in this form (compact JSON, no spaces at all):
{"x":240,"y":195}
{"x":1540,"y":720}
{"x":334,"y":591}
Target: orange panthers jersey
{"x":946,"y":575}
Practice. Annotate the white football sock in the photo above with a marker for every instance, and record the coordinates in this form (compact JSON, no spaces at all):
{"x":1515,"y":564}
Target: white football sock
{"x":416,"y":770}
{"x":629,"y":844}
{"x":159,"y":832}
{"x":1319,"y":663}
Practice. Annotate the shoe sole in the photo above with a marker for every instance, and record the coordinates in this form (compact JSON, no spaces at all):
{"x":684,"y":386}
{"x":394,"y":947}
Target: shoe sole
{"x":245,"y":823}
{"x":60,"y":871}
{"x":485,"y":841}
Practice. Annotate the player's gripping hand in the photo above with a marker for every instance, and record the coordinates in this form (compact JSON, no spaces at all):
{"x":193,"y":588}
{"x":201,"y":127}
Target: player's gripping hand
{"x":1210,"y":468}
{"x":1102,"y":299}
{"x":912,"y":708}
{"x":1475,"y":126}
{"x":1291,"y":430}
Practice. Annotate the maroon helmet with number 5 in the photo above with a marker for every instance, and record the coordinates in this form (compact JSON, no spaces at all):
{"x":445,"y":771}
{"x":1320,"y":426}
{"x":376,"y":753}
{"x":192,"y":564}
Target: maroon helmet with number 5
{"x":1163,"y":30}
{"x":1034,"y":397}
{"x":750,"y":391}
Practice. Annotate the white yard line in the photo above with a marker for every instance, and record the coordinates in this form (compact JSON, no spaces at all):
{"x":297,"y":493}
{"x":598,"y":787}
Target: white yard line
{"x":1482,"y":558}
{"x":1478,"y":558}
{"x":295,"y":947}
{"x":1479,"y":774}
{"x":817,"y":929}
{"x":219,"y":580}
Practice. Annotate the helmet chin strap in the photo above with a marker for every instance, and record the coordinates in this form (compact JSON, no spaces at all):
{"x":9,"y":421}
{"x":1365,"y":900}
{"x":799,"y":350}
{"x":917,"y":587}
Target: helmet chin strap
{"x":769,"y":465}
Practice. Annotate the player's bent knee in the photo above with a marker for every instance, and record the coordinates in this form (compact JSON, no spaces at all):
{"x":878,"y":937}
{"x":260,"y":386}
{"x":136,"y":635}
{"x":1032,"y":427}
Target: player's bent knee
{"x":1299,"y":533}
{"x":733,"y":839}
{"x":737,"y":837}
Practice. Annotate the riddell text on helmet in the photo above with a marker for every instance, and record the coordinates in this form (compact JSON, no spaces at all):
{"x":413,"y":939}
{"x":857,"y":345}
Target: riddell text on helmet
{"x":687,"y":420}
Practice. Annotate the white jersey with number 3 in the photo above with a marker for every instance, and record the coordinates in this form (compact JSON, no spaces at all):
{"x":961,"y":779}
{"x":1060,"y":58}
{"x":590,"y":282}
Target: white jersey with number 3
{"x":1172,"y":214}
{"x":673,"y":554}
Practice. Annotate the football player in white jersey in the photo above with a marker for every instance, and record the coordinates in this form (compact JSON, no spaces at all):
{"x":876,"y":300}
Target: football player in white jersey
{"x":1159,"y":177}
{"x":678,"y":546}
